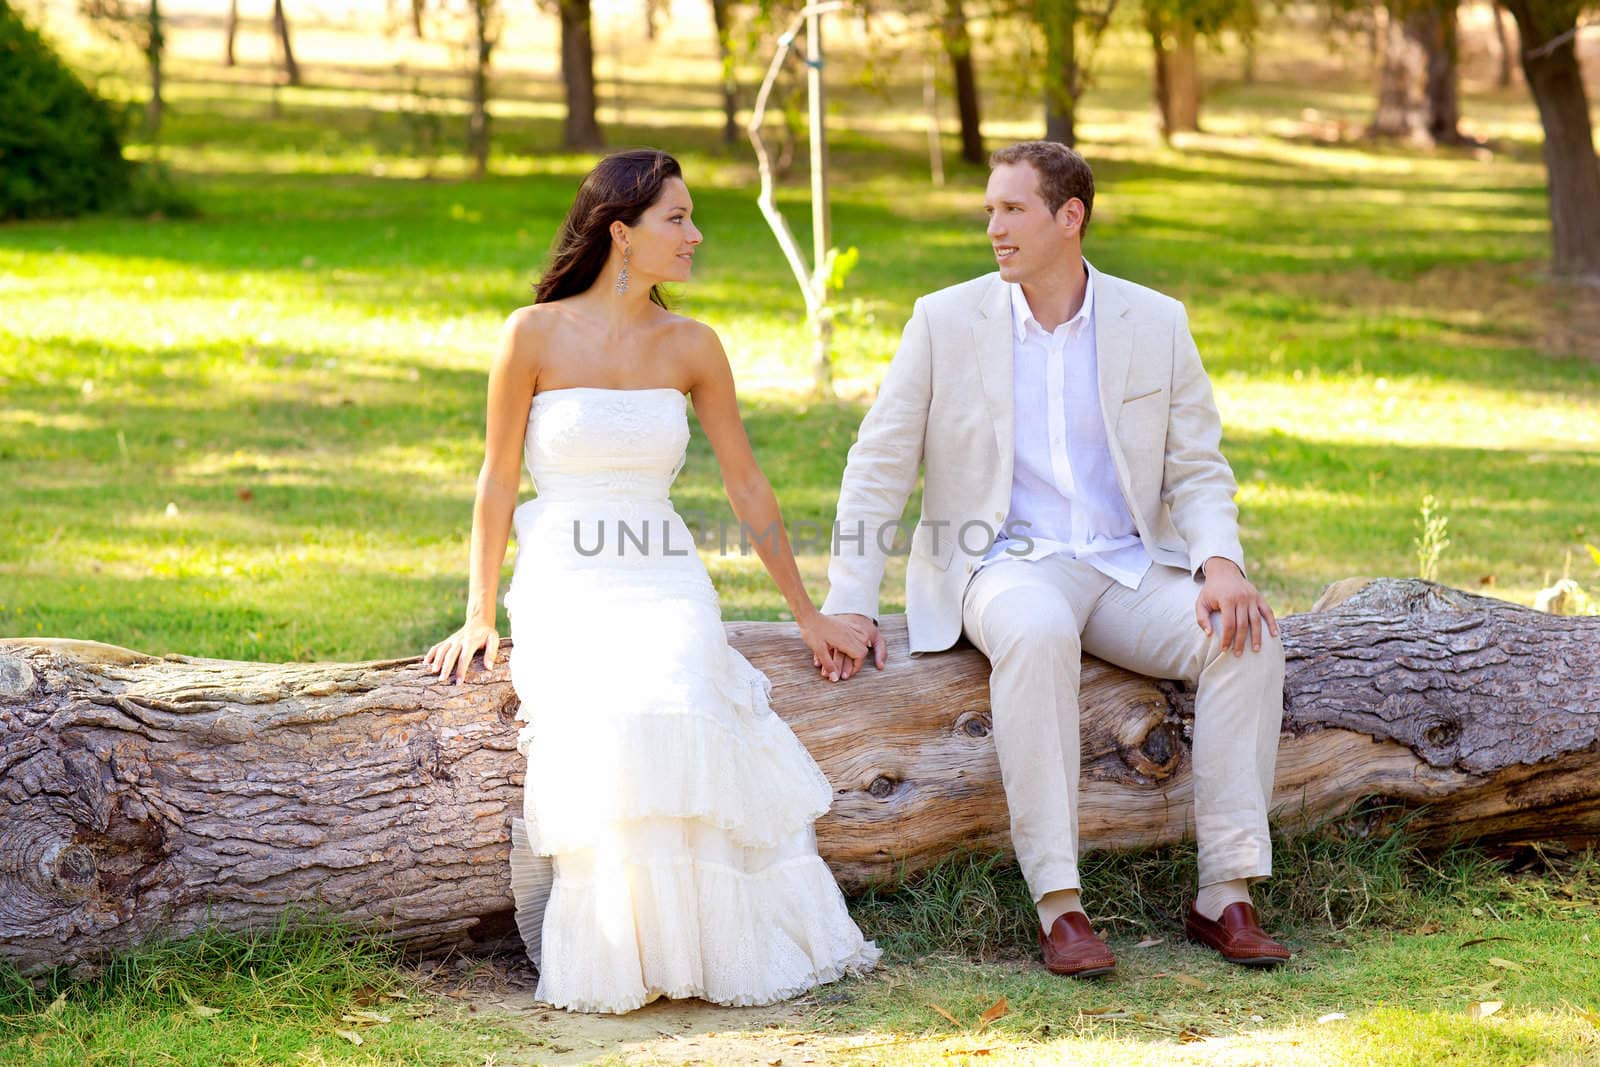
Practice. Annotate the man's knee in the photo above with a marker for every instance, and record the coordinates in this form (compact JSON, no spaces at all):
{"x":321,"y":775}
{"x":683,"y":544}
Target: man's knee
{"x":1020,"y":620}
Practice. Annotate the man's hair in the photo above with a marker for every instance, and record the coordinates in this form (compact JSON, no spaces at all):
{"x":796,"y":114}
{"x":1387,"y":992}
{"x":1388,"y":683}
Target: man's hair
{"x":1063,"y":174}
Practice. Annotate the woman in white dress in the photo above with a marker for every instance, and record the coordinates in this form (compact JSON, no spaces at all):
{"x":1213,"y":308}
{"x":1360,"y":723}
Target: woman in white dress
{"x":677,"y":808}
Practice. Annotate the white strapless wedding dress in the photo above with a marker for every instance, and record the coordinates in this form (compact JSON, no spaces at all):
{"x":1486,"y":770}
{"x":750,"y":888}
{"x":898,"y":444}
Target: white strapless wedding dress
{"x":676,"y":806}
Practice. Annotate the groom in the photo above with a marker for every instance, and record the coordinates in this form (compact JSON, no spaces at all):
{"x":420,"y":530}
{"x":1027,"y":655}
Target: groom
{"x":1074,"y":501}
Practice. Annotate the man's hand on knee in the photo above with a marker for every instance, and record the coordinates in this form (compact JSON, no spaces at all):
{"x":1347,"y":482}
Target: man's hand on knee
{"x":1244,"y":611}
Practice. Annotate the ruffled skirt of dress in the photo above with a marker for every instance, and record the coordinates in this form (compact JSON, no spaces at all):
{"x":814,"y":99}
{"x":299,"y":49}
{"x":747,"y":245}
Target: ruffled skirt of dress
{"x":675,"y":805}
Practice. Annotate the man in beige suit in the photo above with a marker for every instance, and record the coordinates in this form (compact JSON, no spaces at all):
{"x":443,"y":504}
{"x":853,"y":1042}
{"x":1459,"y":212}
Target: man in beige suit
{"x":1075,"y":500}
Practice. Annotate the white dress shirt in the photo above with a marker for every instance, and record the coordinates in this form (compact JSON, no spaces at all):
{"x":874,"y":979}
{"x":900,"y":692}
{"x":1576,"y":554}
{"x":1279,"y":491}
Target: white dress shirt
{"x":1064,"y":492}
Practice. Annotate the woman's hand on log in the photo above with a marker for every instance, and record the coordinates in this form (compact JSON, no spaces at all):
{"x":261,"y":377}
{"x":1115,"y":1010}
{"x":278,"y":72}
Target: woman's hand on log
{"x":456,"y":651}
{"x":834,"y":645}
{"x":1243,"y":611}
{"x":871,"y":640}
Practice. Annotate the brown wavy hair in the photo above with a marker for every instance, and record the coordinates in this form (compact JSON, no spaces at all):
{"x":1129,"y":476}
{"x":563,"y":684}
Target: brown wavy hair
{"x":619,"y":189}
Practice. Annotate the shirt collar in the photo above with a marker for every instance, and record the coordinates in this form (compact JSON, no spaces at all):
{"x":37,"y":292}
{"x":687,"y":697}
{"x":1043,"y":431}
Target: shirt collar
{"x":1022,"y":314}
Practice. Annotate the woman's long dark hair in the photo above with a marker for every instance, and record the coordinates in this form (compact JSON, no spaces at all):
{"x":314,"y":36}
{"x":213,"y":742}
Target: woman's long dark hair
{"x":619,"y":188}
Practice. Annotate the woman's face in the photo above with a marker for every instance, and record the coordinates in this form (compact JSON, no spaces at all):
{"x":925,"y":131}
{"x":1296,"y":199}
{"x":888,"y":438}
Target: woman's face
{"x":665,"y":237}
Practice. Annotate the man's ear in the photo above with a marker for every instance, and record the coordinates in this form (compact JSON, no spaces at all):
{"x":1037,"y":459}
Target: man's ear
{"x":1071,"y":214}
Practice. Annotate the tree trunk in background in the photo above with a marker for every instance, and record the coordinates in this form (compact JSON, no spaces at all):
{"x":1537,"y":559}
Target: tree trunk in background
{"x":416,"y":18}
{"x":478,"y":120}
{"x":582,"y":127}
{"x":1401,"y":110}
{"x":722,"y":21}
{"x":958,"y":46}
{"x":1059,"y":21}
{"x":1434,"y":29}
{"x":1498,"y":12}
{"x":231,"y":31}
{"x":155,"y":43}
{"x":1547,"y":30}
{"x":142,"y":795}
{"x":1177,"y":72}
{"x":280,"y":22}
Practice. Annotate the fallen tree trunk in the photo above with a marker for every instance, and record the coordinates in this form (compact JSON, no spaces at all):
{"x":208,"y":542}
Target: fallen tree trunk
{"x":143,"y":795}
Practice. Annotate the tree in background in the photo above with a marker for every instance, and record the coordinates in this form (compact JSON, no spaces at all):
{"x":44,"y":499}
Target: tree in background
{"x":142,"y":27}
{"x":1175,"y":28}
{"x":957,"y":41}
{"x":1548,"y":30}
{"x":280,"y":25}
{"x":582,"y":126}
{"x":1419,"y":72}
{"x":1066,"y":64}
{"x":485,"y":34}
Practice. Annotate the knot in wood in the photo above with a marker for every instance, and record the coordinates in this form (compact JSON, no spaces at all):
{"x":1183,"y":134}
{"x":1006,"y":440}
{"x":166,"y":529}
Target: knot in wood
{"x":16,"y":677}
{"x":974,"y":724}
{"x":1442,"y":734}
{"x":882,"y":787}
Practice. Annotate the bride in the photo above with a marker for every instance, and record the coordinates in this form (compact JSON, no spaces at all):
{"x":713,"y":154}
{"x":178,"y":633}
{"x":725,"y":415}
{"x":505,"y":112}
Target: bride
{"x":676,"y":807}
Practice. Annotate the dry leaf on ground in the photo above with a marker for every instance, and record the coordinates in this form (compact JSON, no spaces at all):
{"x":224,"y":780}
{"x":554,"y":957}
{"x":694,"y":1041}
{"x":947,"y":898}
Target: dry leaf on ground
{"x":997,"y":1010}
{"x":946,"y":1014}
{"x":1483,"y":1008}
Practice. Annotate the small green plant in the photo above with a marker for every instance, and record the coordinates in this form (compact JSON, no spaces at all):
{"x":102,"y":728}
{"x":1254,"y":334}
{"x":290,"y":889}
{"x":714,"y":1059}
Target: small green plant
{"x":1431,"y":540}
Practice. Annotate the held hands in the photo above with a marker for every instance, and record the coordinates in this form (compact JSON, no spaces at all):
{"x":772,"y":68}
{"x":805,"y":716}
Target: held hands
{"x":835,"y":644}
{"x":1244,"y":611}
{"x":868,"y":639}
{"x":456,"y":651}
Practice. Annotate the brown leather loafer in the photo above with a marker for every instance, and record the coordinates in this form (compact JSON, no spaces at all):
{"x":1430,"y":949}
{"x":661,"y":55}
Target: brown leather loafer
{"x":1073,"y":949}
{"x":1236,"y":935}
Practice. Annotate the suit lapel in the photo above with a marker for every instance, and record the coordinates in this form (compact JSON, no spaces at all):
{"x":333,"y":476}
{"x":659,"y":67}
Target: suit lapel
{"x":991,"y":341}
{"x":1113,"y":349}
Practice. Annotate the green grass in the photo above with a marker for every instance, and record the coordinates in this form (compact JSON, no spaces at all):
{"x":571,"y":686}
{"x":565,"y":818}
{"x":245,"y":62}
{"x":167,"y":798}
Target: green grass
{"x":292,"y":993}
{"x":253,"y":434}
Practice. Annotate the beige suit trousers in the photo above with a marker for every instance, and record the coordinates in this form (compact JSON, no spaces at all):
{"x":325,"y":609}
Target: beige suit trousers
{"x":1034,"y":619}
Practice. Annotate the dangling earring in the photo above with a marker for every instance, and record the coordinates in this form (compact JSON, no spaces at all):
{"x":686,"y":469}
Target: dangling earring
{"x":622,"y":277}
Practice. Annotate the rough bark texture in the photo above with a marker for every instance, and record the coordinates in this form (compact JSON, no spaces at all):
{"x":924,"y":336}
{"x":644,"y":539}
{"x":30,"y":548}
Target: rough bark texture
{"x":139,"y":795}
{"x":1434,"y":28}
{"x":958,"y":46}
{"x":582,"y":127}
{"x":1548,"y":32}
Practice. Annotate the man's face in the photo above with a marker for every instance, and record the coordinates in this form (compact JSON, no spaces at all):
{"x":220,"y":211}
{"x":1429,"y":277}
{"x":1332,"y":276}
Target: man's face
{"x":1026,"y":236}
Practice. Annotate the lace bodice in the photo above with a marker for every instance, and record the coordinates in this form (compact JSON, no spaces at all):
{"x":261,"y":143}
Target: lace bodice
{"x":587,"y":442}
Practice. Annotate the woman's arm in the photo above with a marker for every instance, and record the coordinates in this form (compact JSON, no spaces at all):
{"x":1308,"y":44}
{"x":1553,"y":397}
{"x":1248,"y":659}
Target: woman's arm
{"x":754,"y":503}
{"x":511,"y":381}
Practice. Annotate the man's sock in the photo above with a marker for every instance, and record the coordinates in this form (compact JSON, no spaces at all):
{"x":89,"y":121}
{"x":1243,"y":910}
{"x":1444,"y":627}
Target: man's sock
{"x":1055,"y":904}
{"x":1214,"y":899}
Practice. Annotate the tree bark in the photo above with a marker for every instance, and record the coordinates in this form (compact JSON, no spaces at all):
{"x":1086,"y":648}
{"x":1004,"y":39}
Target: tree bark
{"x":1177,"y":72}
{"x":1434,"y":28}
{"x":958,"y":46}
{"x":280,"y":23}
{"x":230,"y":32}
{"x":722,"y":20}
{"x":140,"y":794}
{"x":417,"y":10}
{"x":478,"y":118}
{"x":155,"y":44}
{"x":1547,"y":30}
{"x":1401,"y":108}
{"x":1059,"y":21}
{"x":1497,"y":11}
{"x":582,"y":128}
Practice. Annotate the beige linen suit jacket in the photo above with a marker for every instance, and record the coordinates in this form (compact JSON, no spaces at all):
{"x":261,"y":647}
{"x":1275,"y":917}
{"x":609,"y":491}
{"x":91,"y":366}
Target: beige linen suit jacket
{"x":946,"y":405}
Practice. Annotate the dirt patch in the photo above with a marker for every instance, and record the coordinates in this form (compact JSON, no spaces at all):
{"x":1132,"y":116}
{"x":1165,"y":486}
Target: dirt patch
{"x":664,"y":1032}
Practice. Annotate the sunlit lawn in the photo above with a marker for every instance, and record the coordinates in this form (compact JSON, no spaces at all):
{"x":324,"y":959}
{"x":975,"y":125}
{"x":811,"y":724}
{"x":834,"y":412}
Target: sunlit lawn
{"x":254,"y":434}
